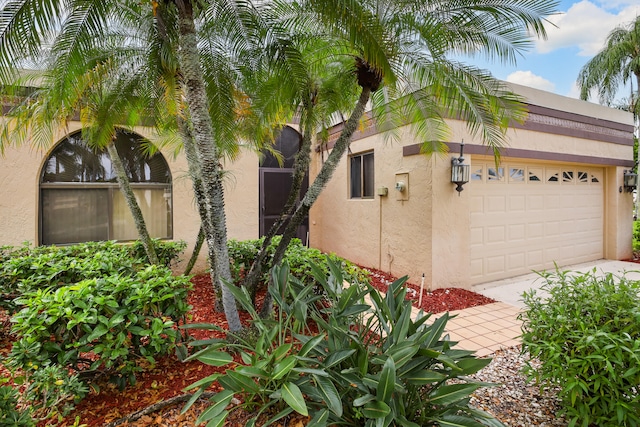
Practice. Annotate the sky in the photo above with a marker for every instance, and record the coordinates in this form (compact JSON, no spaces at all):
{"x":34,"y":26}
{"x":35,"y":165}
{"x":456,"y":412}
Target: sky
{"x":579,"y":33}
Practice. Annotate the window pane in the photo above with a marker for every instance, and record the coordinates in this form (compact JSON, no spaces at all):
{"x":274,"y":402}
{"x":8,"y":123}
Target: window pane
{"x":155,"y":205}
{"x":368,"y":175}
{"x":74,"y":160}
{"x":356,"y":177}
{"x":494,"y":174}
{"x":71,"y":216}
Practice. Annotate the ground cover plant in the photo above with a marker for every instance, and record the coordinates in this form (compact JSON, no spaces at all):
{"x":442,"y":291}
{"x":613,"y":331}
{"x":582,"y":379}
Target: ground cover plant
{"x":587,"y":338}
{"x":364,"y":362}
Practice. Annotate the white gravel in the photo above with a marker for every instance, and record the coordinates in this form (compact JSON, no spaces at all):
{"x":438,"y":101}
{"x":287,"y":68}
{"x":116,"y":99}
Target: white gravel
{"x":514,"y":401}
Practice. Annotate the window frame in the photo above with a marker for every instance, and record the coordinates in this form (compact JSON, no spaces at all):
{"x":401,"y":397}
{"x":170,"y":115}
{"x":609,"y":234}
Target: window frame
{"x":112,"y":188}
{"x":362,"y":178}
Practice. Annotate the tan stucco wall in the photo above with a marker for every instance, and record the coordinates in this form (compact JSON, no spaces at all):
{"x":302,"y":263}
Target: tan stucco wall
{"x":19,"y":181}
{"x":383,"y":232}
{"x":430,"y":232}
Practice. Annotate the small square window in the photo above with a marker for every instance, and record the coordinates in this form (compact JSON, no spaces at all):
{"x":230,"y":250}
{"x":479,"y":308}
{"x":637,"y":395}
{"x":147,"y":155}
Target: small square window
{"x":495,"y":174}
{"x":535,"y":175}
{"x":361,"y":185}
{"x":477,"y":174}
{"x":516,"y":174}
{"x":583,"y":177}
{"x":553,"y":175}
{"x":567,"y":176}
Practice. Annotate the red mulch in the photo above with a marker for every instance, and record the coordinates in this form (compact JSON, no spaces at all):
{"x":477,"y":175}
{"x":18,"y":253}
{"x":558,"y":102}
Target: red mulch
{"x":169,"y":376}
{"x":436,"y":301}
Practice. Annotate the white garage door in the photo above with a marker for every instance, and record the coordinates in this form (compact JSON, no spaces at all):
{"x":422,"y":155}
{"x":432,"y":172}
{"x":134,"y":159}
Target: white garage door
{"x":525,"y":217}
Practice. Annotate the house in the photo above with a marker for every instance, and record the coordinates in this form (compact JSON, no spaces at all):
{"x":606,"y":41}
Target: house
{"x":555,"y":197}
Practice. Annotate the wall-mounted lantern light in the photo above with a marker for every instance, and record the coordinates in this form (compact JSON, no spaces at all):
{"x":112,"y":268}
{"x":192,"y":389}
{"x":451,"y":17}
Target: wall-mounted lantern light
{"x":629,"y":180}
{"x":459,"y":171}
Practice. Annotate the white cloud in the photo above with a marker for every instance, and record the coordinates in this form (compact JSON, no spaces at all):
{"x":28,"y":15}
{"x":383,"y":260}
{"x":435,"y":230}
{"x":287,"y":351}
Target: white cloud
{"x":527,"y":78}
{"x":587,"y":25}
{"x":574,"y":92}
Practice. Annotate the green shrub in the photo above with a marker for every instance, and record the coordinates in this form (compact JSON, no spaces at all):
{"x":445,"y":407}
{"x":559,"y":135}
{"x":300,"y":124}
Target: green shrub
{"x":52,"y":391}
{"x":587,"y":338}
{"x":10,"y":416}
{"x":118,"y":319}
{"x":369,"y":364}
{"x":636,"y":236}
{"x":26,"y":268}
{"x":167,"y":251}
{"x":299,"y":258}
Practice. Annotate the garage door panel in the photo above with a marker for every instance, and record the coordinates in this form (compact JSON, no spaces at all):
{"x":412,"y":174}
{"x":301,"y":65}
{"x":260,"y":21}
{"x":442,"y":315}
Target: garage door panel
{"x":535,"y":202}
{"x":522,"y":225}
{"x":517,"y":232}
{"x":496,"y":204}
{"x":495,"y":264}
{"x":517,"y":203}
{"x":517,"y":261}
{"x":535,"y":230}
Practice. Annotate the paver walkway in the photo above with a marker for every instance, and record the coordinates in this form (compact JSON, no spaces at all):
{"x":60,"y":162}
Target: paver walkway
{"x":485,"y":328}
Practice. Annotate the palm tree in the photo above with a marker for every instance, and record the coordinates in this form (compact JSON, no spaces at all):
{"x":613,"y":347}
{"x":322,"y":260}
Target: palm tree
{"x":616,"y":64}
{"x":26,"y":27}
{"x":399,"y":62}
{"x":400,"y":47}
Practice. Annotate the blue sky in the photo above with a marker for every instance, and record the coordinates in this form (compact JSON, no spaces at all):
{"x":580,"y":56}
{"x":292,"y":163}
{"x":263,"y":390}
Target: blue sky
{"x":579,"y":33}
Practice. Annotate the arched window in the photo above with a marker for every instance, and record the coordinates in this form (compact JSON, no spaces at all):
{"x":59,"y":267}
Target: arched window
{"x":80,"y":199}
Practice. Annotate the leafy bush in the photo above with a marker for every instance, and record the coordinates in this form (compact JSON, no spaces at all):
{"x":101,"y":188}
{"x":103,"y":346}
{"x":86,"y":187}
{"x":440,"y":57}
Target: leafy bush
{"x":118,"y":319}
{"x":26,"y":268}
{"x":10,"y":416}
{"x":167,"y":251}
{"x":299,"y":258}
{"x":587,"y":338}
{"x":636,"y":236}
{"x":369,"y":364}
{"x":52,"y":391}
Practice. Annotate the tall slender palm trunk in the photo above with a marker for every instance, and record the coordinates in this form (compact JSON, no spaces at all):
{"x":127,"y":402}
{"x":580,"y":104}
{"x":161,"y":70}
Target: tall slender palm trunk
{"x":321,"y":180}
{"x":132,"y":203}
{"x":195,"y":171}
{"x":209,"y":157}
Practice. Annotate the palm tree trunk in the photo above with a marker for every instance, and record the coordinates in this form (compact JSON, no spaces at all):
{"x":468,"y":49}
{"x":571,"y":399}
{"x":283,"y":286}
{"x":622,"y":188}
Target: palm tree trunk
{"x":302,"y":161}
{"x":194,"y":255}
{"x":208,"y":156}
{"x":321,"y":180}
{"x":132,"y":203}
{"x":195,"y":171}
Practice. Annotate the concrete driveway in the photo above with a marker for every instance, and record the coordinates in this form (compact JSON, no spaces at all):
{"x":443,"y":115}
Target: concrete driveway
{"x":510,"y":290}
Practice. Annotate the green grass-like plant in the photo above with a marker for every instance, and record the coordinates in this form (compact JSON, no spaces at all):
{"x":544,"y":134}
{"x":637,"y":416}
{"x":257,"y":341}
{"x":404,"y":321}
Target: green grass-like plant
{"x":368,"y":364}
{"x":587,"y":338}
